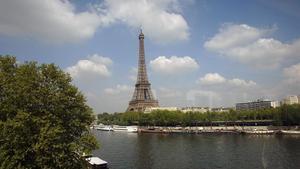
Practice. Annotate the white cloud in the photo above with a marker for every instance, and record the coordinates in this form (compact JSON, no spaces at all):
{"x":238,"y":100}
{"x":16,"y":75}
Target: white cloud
{"x":241,"y":82}
{"x":117,"y":90}
{"x":264,"y":53}
{"x":57,"y":21}
{"x":233,"y":35}
{"x":160,"y":20}
{"x":222,"y":91}
{"x":48,"y":20}
{"x":287,"y":85}
{"x":95,"y":65}
{"x":173,"y":65}
{"x":215,"y":78}
{"x":292,"y":73}
{"x":212,"y":78}
{"x":249,"y":45}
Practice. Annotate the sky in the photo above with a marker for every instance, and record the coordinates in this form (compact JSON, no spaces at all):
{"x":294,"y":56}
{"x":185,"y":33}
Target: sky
{"x":198,"y":52}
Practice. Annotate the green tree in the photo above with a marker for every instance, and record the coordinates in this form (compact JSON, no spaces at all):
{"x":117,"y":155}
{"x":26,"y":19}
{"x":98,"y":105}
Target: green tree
{"x":44,"y":119}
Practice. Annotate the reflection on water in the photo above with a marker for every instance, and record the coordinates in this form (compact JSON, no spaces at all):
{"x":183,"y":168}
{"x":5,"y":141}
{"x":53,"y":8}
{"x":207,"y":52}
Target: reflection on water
{"x":180,"y":151}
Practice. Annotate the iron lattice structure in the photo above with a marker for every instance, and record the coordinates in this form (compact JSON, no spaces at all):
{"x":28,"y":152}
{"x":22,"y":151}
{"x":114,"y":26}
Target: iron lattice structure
{"x":142,"y":96}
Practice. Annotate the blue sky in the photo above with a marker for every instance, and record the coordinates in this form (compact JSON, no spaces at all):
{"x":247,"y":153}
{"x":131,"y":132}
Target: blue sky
{"x":199,"y":53}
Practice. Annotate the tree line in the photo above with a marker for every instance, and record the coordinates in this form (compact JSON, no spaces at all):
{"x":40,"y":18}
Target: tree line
{"x":285,"y":115}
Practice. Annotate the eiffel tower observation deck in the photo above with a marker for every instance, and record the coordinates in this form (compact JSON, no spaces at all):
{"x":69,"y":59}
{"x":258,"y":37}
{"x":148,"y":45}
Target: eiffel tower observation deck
{"x":142,"y":96}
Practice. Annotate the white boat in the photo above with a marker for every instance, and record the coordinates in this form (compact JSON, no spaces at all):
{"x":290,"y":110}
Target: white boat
{"x":97,"y":163}
{"x":259,"y":131}
{"x":130,"y":129}
{"x":97,"y":126}
{"x":290,"y":132}
{"x":105,"y":128}
{"x":120,"y":128}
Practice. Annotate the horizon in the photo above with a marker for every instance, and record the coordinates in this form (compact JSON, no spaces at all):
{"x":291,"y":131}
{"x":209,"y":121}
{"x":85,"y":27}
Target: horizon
{"x":198,"y":53}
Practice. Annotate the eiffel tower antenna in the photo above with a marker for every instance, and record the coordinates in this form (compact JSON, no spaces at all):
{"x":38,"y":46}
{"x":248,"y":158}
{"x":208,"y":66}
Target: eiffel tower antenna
{"x":142,"y":96}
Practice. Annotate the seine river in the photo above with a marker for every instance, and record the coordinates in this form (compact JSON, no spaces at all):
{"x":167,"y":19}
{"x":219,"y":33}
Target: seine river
{"x":198,"y":151}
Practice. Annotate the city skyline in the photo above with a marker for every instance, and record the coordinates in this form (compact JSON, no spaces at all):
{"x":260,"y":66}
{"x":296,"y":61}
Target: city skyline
{"x":198,"y":53}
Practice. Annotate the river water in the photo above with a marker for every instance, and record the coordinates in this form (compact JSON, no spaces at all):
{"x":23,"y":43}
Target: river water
{"x":197,"y":151}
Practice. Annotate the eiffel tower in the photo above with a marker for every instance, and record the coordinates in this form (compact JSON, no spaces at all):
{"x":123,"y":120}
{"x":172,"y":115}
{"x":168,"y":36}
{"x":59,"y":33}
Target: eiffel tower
{"x":142,"y":96}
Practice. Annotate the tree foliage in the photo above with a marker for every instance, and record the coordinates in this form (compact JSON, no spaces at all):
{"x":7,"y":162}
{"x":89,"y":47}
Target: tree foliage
{"x":44,"y":119}
{"x":285,"y":115}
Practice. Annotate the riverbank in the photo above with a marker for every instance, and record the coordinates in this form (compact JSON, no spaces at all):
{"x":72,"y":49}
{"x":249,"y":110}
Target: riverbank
{"x":203,"y":129}
{"x":223,"y":129}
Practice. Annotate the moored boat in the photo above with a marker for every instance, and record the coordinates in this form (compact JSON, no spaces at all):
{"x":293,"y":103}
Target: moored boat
{"x":105,"y":128}
{"x":130,"y":129}
{"x":96,"y":163}
{"x":290,"y":131}
{"x":259,"y":131}
{"x":120,"y":128}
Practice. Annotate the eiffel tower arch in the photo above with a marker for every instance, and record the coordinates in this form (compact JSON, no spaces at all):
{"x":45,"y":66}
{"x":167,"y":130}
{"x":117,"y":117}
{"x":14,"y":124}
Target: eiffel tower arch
{"x":142,"y":96}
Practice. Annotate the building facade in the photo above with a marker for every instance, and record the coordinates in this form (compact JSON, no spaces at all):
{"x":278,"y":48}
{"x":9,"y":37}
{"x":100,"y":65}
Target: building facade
{"x":254,"y":105}
{"x":275,"y":104}
{"x":291,"y":100}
